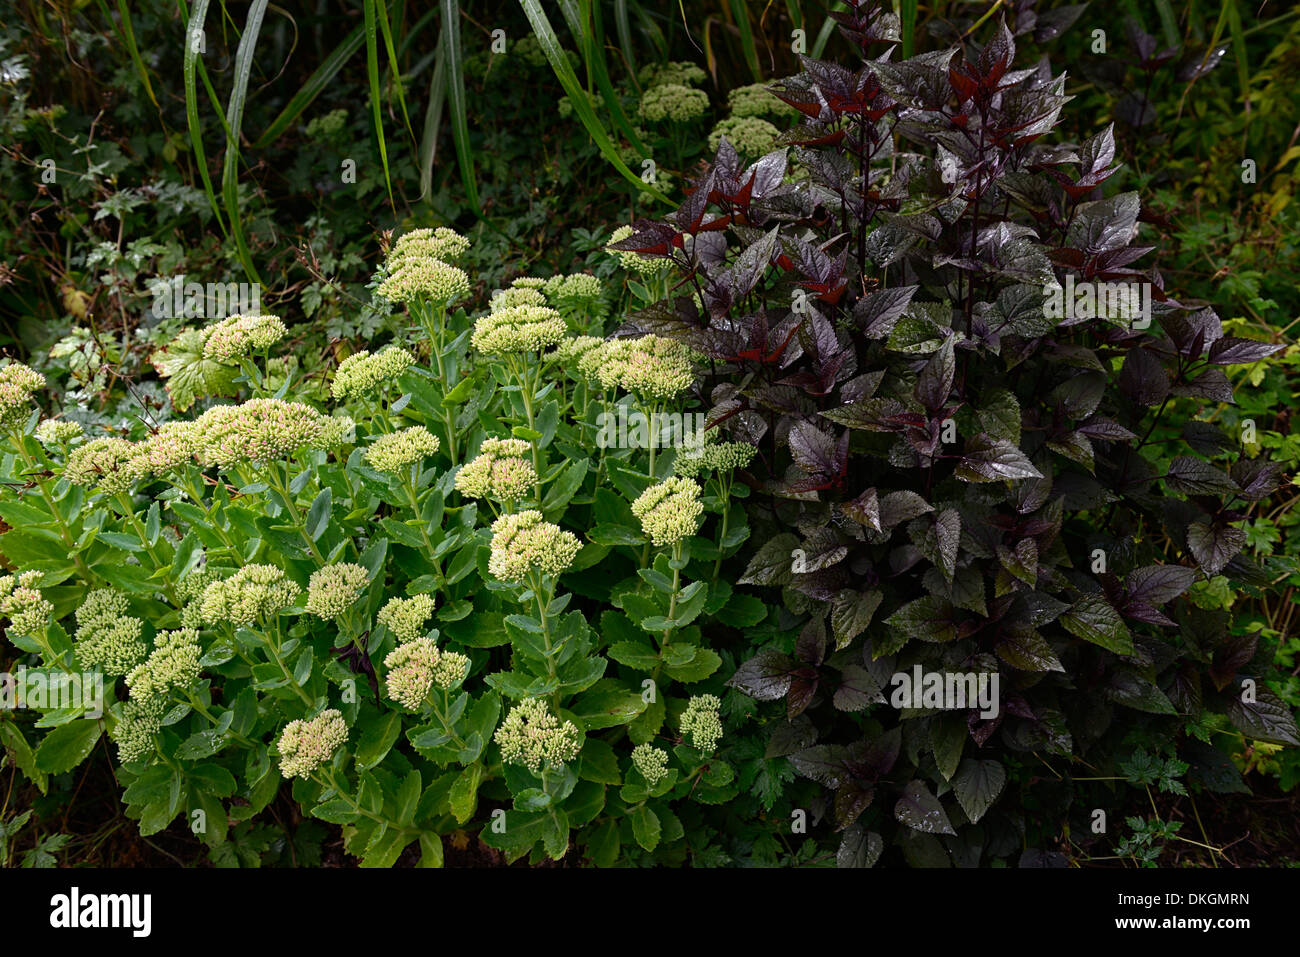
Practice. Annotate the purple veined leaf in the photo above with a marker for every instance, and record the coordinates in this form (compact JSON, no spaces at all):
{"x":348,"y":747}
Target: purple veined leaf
{"x":1158,"y":584}
{"x":1193,"y":476}
{"x":1143,"y":377}
{"x":920,"y":810}
{"x":877,"y":313}
{"x":765,"y":677}
{"x":1257,"y":478}
{"x":1097,"y":152}
{"x":1233,"y":351}
{"x":991,"y":460}
{"x":1213,"y":546}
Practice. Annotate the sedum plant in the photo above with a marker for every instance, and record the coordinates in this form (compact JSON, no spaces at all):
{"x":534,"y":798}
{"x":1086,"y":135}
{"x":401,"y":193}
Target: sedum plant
{"x":931,"y":321}
{"x":427,"y":608}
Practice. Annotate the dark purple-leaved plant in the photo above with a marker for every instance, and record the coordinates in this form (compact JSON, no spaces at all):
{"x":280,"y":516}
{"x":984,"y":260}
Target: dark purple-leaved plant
{"x":949,"y":474}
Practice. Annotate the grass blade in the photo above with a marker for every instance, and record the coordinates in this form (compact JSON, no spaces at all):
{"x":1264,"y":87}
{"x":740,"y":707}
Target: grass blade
{"x":455,"y":69}
{"x":234,"y":118}
{"x":127,"y":33}
{"x":907,"y":19}
{"x":564,"y":73}
{"x":381,"y":10}
{"x":315,"y":84}
{"x":432,"y":125}
{"x":190,"y":66}
{"x":372,"y":70}
{"x":624,"y":26}
{"x":741,"y":15}
{"x":593,"y":55}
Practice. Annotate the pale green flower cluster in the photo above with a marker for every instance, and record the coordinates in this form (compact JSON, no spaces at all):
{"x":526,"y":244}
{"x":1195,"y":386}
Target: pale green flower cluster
{"x":252,"y":593}
{"x":55,"y":432}
{"x":634,"y":262}
{"x":528,"y":282}
{"x":109,"y":464}
{"x":569,"y":352}
{"x":306,"y":745}
{"x":134,"y":732}
{"x":107,"y":637}
{"x":702,"y":722}
{"x":756,"y":100}
{"x":328,"y":126}
{"x":673,"y":103}
{"x":677,"y":72}
{"x":516,"y":295}
{"x":417,"y":278}
{"x":171,"y":447}
{"x":710,"y":455}
{"x":190,"y":591}
{"x":406,"y":617}
{"x":361,"y":372}
{"x":503,"y":471}
{"x":652,"y":762}
{"x":416,"y":666}
{"x":518,"y":329}
{"x":18,"y":384}
{"x":262,"y":430}
{"x":398,"y":451}
{"x":578,"y":287}
{"x":652,"y":367}
{"x":173,"y":663}
{"x":238,"y":336}
{"x":751,"y":136}
{"x":332,"y":590}
{"x":669,"y":511}
{"x":23,"y":604}
{"x":531,"y":734}
{"x":524,"y":542}
{"x":441,"y":243}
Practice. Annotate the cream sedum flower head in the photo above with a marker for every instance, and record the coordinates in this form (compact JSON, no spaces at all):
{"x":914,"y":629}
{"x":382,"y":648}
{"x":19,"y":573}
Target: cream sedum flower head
{"x":362,"y":372}
{"x":578,"y":287}
{"x":523,"y":543}
{"x":634,"y":262}
{"x":652,"y":762}
{"x":528,"y":282}
{"x":171,"y":447}
{"x":263,"y":430}
{"x":569,"y":352}
{"x":751,"y":136}
{"x":332,"y":590}
{"x":415,"y":667}
{"x":710,"y":455}
{"x":398,"y":451}
{"x":673,"y":103}
{"x":306,"y":745}
{"x":756,"y":100}
{"x":406,"y":617}
{"x":516,"y":296}
{"x":238,"y":336}
{"x":531,"y":735}
{"x":420,"y":278}
{"x":652,"y":367}
{"x":518,"y":329}
{"x":54,"y":432}
{"x":25,"y":607}
{"x":669,"y":511}
{"x":252,"y":593}
{"x":503,"y":470}
{"x":680,"y":72}
{"x":134,"y":732}
{"x":701,"y":722}
{"x":107,"y":637}
{"x":174,"y":663}
{"x":107,"y":464}
{"x":18,"y":384}
{"x":441,"y":243}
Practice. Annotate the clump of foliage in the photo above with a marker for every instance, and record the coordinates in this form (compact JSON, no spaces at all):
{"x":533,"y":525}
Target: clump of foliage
{"x":954,"y":476}
{"x":433,"y":605}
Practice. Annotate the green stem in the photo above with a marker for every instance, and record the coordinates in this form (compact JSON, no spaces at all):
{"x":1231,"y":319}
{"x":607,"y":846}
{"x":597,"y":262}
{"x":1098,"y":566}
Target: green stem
{"x":281,"y":481}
